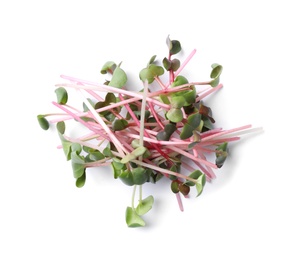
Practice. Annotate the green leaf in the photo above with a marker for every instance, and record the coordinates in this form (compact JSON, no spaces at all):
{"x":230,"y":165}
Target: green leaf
{"x":109,"y":66}
{"x":62,"y":95}
{"x":200,"y":184}
{"x":152,"y":59}
{"x":96,"y":156}
{"x":117,"y":164}
{"x":110,"y":98}
{"x":146,"y":114}
{"x":75,"y":147}
{"x":194,"y":175}
{"x":43,"y":122}
{"x":140,"y":175}
{"x":175,"y":186}
{"x":199,"y":128}
{"x":107,"y":152}
{"x":146,"y":154}
{"x":174,"y":46}
{"x":133,"y":219}
{"x":177,"y":101}
{"x":207,"y":124}
{"x":189,"y":96}
{"x":175,"y":64}
{"x":80,"y":182}
{"x":78,"y":169}
{"x":220,"y":160}
{"x":221,"y":154}
{"x":194,"y":120}
{"x":135,"y":143}
{"x":145,"y":205}
{"x":118,"y":169}
{"x":127,"y":178}
{"x":215,"y":74}
{"x":186,"y":131}
{"x":66,"y":145}
{"x":119,"y":124}
{"x":61,"y":127}
{"x":175,"y":115}
{"x":76,"y":158}
{"x":179,"y":80}
{"x":128,"y":157}
{"x":170,"y":128}
{"x":171,"y":64}
{"x":164,"y":99}
{"x":216,"y":70}
{"x":119,"y":78}
{"x":151,"y":72}
{"x":222,"y":147}
{"x":165,"y":135}
{"x":166,"y":64}
{"x":134,"y":154}
{"x":139,"y":151}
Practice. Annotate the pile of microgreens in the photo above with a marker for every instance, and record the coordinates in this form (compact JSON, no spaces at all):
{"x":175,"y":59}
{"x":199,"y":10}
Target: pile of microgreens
{"x":144,"y":135}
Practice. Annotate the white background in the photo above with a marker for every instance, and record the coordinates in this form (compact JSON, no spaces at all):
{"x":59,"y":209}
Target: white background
{"x":253,"y":210}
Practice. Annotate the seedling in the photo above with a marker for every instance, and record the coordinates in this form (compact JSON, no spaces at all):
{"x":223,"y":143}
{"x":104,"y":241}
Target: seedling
{"x":144,"y":135}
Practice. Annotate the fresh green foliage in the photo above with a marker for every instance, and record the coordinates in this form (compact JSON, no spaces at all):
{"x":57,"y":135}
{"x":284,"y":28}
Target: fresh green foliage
{"x":175,"y":115}
{"x":145,"y":135}
{"x":221,"y":154}
{"x":119,"y":78}
{"x":108,"y":67}
{"x":151,"y":72}
{"x":62,"y":95}
{"x":43,"y":122}
{"x":145,"y":205}
{"x":193,"y":122}
{"x":174,"y":46}
{"x":215,"y":74}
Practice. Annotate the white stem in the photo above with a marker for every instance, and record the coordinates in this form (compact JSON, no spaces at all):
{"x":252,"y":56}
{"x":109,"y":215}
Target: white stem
{"x":141,"y":141}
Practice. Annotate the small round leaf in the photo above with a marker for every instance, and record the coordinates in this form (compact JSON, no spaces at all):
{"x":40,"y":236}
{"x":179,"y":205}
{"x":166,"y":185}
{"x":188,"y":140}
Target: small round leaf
{"x":61,"y":127}
{"x":140,"y":175}
{"x":133,"y":219}
{"x":43,"y":122}
{"x":62,"y":95}
{"x":175,"y":115}
{"x":80,"y":182}
{"x":119,"y":78}
{"x":109,"y":66}
{"x":186,"y":131}
{"x":145,"y":205}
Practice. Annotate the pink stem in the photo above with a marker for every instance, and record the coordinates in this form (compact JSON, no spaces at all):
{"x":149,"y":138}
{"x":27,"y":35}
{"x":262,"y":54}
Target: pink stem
{"x":225,"y":132}
{"x":179,"y":201}
{"x":102,"y":87}
{"x":185,"y":62}
{"x":183,"y":65}
{"x":206,"y":93}
{"x":155,"y":115}
{"x":80,"y":120}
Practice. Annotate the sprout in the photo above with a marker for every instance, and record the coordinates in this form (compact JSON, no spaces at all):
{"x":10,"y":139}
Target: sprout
{"x":144,"y":135}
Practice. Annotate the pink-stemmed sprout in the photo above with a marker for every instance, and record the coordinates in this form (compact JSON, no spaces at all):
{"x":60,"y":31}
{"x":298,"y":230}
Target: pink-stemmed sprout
{"x":145,"y":135}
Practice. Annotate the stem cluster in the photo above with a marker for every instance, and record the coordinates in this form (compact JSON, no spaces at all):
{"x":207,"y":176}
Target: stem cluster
{"x":144,"y":135}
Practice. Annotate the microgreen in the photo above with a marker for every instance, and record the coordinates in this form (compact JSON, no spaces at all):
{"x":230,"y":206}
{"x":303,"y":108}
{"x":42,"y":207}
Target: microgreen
{"x":144,"y":135}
